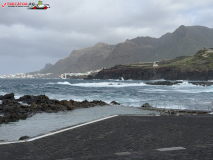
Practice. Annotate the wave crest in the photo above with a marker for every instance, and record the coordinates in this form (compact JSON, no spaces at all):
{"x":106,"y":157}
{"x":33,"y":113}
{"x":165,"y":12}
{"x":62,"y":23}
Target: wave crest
{"x":102,"y":84}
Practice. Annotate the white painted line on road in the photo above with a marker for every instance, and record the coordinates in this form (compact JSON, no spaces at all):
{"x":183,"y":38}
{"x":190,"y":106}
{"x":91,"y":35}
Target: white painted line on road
{"x":59,"y":131}
{"x":170,"y":149}
{"x":11,"y":142}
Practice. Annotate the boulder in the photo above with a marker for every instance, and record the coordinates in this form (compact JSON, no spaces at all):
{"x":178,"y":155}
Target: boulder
{"x":115,"y":103}
{"x":168,"y":112}
{"x":23,"y":138}
{"x":7,"y":96}
{"x":146,"y":105}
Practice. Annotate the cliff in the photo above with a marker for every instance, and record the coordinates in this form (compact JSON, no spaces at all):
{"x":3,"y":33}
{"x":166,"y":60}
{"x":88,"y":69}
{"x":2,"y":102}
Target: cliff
{"x":197,"y":67}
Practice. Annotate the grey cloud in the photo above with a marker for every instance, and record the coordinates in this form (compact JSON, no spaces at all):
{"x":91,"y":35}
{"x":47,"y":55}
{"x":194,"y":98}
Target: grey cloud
{"x":50,"y":35}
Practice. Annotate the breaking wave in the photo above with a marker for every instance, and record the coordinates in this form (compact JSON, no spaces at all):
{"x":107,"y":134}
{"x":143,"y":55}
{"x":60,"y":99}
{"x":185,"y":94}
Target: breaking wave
{"x":102,"y":84}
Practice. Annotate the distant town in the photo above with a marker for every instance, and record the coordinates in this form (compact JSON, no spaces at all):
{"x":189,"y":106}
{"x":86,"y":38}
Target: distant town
{"x":24,"y":75}
{"x":47,"y":75}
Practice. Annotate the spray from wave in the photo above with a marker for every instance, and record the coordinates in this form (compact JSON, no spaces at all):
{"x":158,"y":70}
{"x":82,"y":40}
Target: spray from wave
{"x":101,"y":84}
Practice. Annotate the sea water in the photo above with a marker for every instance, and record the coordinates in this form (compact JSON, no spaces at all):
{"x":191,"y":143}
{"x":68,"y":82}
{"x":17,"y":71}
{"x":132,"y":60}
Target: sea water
{"x":128,"y":93}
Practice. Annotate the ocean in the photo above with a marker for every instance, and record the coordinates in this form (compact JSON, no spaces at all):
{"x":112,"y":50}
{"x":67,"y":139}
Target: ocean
{"x":129,"y":93}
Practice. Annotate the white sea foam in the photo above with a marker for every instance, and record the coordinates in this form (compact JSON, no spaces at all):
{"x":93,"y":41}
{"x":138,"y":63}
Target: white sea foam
{"x":18,"y":96}
{"x":149,"y":90}
{"x":3,"y":93}
{"x":184,"y":84}
{"x":102,"y":84}
{"x":66,"y":97}
{"x":0,"y":101}
{"x":172,"y":107}
{"x":64,"y":83}
{"x":187,"y":87}
{"x":196,"y":91}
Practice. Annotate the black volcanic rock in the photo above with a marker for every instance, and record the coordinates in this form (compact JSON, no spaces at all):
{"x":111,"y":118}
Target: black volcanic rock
{"x":167,"y":83}
{"x":167,"y":73}
{"x":7,"y":96}
{"x":23,"y":138}
{"x":13,"y":110}
{"x":146,"y":106}
{"x":115,"y":103}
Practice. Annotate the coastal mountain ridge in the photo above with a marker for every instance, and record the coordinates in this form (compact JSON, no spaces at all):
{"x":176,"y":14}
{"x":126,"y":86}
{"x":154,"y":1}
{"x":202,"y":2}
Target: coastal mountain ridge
{"x":184,"y":41}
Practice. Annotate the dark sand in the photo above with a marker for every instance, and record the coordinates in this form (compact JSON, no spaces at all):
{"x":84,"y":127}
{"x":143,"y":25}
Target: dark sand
{"x":140,"y":136}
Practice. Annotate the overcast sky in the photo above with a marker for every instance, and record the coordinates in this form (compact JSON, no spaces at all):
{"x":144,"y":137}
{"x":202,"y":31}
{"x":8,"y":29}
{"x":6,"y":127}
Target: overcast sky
{"x":31,"y":38}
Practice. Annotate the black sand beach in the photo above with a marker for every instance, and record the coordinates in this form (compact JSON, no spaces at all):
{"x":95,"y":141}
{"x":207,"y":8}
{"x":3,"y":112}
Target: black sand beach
{"x":138,"y":137}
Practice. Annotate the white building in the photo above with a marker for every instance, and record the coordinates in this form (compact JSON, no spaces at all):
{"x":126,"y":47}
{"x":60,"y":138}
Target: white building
{"x":155,"y":64}
{"x":209,"y":50}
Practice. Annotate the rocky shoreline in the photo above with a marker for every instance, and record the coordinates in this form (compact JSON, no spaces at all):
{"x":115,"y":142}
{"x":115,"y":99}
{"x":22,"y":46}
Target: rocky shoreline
{"x":13,"y":109}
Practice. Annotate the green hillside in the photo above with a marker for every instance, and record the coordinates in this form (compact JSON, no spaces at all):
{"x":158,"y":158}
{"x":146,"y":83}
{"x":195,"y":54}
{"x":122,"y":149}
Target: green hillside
{"x":200,"y":61}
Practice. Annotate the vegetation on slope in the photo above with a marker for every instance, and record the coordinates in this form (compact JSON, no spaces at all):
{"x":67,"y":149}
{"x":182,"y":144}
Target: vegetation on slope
{"x":201,"y":61}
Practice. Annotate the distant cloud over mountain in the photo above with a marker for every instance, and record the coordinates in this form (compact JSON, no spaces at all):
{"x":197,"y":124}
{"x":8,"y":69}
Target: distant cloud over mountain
{"x":29,"y":39}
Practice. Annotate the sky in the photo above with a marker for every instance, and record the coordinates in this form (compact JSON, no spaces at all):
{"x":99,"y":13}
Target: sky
{"x":31,"y":38}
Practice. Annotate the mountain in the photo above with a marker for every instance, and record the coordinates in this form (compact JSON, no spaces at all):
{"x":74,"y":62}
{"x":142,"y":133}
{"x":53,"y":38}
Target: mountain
{"x":82,"y":60}
{"x":182,"y":42}
{"x":47,"y":66}
{"x":105,"y":55}
{"x":197,"y":67}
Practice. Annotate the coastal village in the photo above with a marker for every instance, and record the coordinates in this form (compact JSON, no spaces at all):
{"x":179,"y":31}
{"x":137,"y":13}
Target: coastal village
{"x":62,"y":76}
{"x":24,"y":75}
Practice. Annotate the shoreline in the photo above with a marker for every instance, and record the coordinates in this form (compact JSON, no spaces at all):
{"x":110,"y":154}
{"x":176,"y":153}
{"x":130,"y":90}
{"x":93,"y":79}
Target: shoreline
{"x":12,"y":109}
